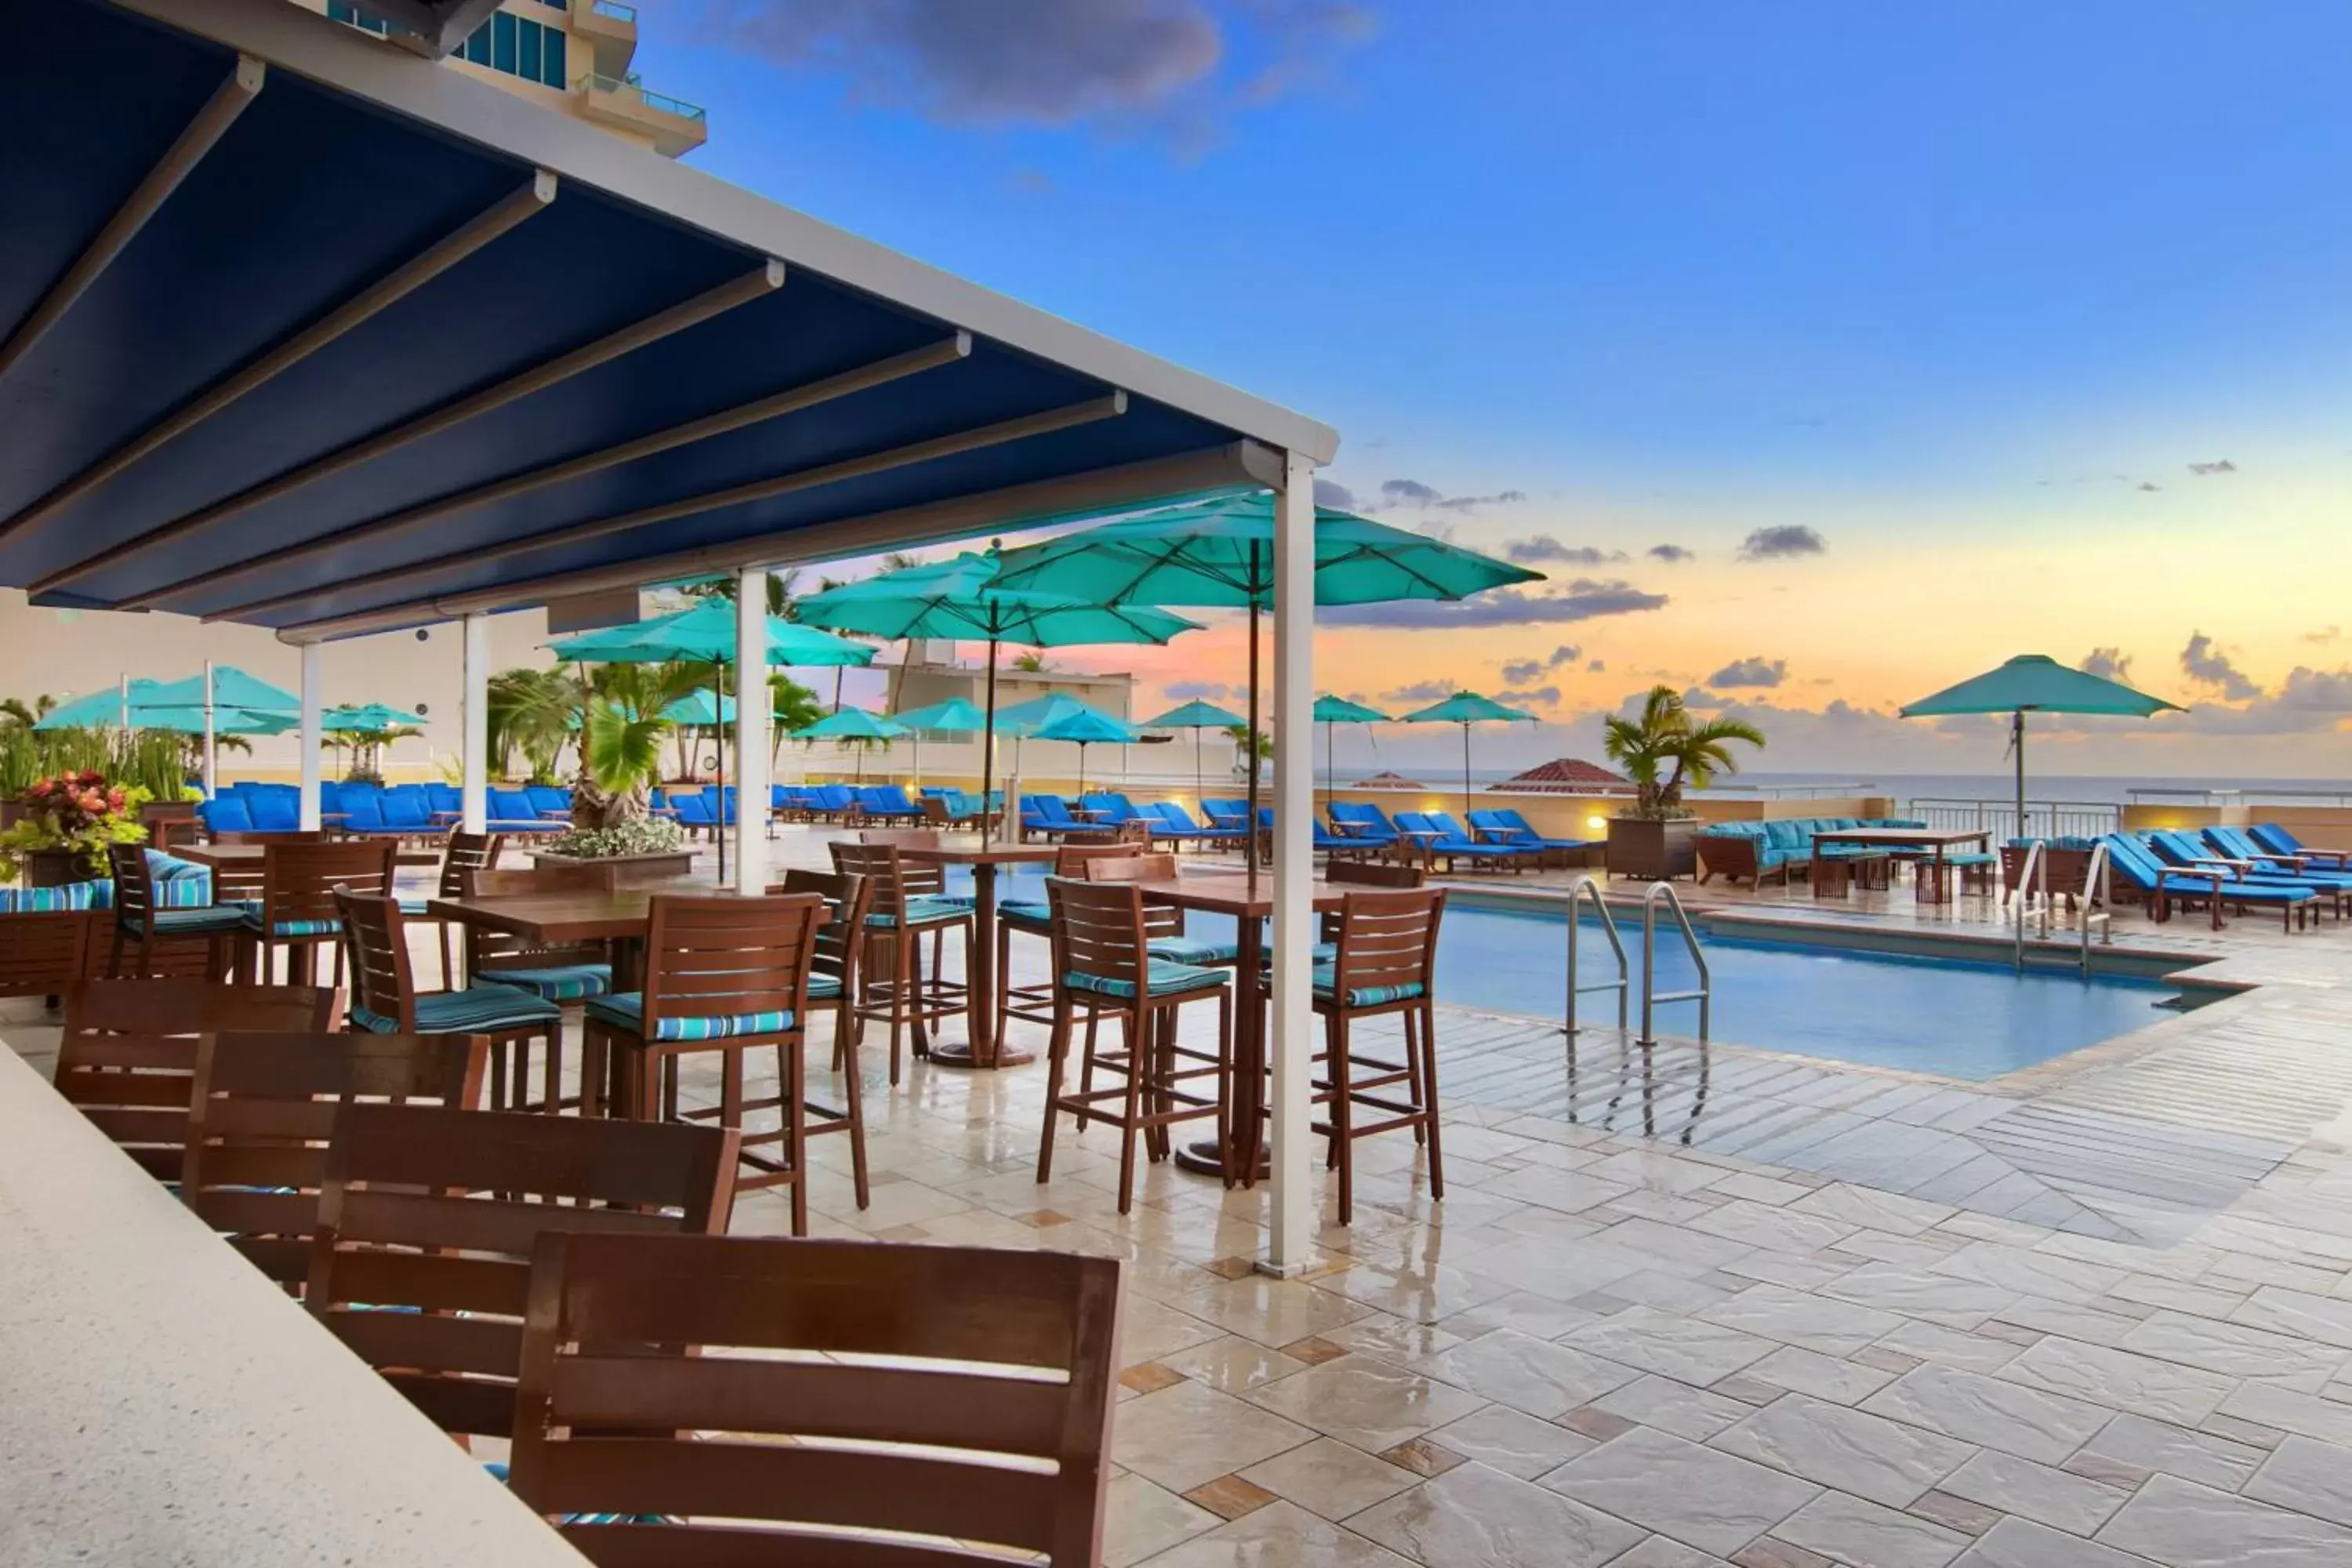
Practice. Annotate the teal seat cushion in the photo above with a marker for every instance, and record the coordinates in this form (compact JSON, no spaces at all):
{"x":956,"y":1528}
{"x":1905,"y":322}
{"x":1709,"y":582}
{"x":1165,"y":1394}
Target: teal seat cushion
{"x":1323,"y":953}
{"x":481,"y":1009}
{"x":188,"y":922}
{"x":290,"y":929}
{"x":824,"y":988}
{"x":413,"y":909}
{"x":1026,"y":913}
{"x":627,"y":1010}
{"x":1193,"y":949}
{"x":1786,"y":835}
{"x":960,"y":901}
{"x":1165,"y":978}
{"x":1973,"y":858}
{"x":922,"y":912}
{"x":1327,"y":980}
{"x":50,"y":900}
{"x":557,"y":983}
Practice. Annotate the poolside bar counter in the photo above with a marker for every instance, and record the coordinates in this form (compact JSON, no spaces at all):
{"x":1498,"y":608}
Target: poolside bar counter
{"x":162,"y":1401}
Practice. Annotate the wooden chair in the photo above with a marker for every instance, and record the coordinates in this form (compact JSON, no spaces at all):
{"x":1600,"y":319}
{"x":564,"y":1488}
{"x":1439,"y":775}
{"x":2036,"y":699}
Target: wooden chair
{"x":722,"y":974}
{"x":262,"y":1110}
{"x":1034,"y":1003}
{"x":891,"y":980}
{"x":833,"y":978}
{"x":460,"y":852}
{"x":127,"y":1060}
{"x":571,"y":972}
{"x":652,"y":1389}
{"x":409,"y":1189}
{"x":300,"y":885}
{"x":1103,"y":966}
{"x":386,"y":1001}
{"x":1385,"y":964}
{"x":43,"y":954}
{"x":141,"y":922}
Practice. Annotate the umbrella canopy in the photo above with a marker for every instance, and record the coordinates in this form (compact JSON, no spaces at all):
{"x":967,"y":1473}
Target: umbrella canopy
{"x":851,"y":724}
{"x":1331,"y":712}
{"x":1028,"y":718}
{"x":700,"y":710}
{"x":231,"y":686}
{"x":953,"y":717}
{"x":707,"y":633}
{"x":137,"y":710}
{"x":1087,"y":727}
{"x":1196,"y":716}
{"x":2034,"y":682}
{"x":368,"y":718}
{"x":1465,"y":708}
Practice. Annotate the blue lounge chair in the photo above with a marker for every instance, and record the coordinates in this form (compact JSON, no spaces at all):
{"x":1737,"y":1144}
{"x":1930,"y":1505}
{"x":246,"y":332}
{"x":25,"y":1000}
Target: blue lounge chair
{"x":888,"y":802}
{"x":406,"y":811}
{"x":553,"y":802}
{"x":447,"y":801}
{"x":2236,"y":844}
{"x":1170,"y":821}
{"x":274,"y":810}
{"x":1109,"y":808}
{"x":1507,"y":826}
{"x":2192,"y":852}
{"x":1325,"y":841}
{"x":1049,"y":816}
{"x":2138,"y":867}
{"x":1433,"y":835}
{"x":1366,"y":822}
{"x":511,"y":811}
{"x":2277,"y":839}
{"x":831,"y":802}
{"x":696,"y":813}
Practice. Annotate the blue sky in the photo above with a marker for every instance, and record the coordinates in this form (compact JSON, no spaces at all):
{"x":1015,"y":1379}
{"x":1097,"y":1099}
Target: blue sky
{"x":1948,"y":285}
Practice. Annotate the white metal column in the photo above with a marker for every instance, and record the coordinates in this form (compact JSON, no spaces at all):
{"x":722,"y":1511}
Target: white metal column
{"x":313,"y":712}
{"x":474,"y":717}
{"x":211,"y":741}
{"x":1291,"y":1237}
{"x":752,"y":712}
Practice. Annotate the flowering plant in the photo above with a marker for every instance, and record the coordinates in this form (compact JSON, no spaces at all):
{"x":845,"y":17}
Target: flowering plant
{"x":80,"y":811}
{"x":646,"y":835}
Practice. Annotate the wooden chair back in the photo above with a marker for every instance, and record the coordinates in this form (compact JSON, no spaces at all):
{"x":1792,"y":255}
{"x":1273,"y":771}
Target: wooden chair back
{"x":922,"y":879}
{"x":487,"y":948}
{"x":134,"y":882}
{"x":1365,"y":874}
{"x":1159,"y":920}
{"x":730,"y":957}
{"x":463,"y":852}
{"x":837,"y":946}
{"x":1388,"y":939}
{"x":1098,"y":929}
{"x":1070,"y":859}
{"x":375,"y":943}
{"x":42,"y":954}
{"x":301,"y":882}
{"x":262,"y":1110}
{"x":127,"y":1060}
{"x":878,"y":864}
{"x":653,"y":1385}
{"x":437,"y":1210}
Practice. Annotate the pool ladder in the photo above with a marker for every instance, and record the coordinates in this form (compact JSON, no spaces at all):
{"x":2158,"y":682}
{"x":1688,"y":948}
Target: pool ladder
{"x":2030,"y":902}
{"x":1585,"y":890}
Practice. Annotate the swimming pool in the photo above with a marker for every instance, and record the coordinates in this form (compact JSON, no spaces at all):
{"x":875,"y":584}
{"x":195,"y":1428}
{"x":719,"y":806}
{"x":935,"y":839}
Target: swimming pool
{"x":1953,"y":1016}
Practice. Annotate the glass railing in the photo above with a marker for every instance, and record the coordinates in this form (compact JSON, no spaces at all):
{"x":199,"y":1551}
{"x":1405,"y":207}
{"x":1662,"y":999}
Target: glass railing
{"x":619,"y":13}
{"x":659,"y":100}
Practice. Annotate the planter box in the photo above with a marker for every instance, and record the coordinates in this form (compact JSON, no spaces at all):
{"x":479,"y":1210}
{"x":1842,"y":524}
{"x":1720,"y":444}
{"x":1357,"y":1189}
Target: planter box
{"x":1655,"y":851}
{"x":54,"y":869}
{"x":627,"y":871}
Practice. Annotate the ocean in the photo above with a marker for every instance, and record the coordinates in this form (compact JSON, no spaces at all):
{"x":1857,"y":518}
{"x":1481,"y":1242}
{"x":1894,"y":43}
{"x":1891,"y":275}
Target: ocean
{"x":2084,"y":789}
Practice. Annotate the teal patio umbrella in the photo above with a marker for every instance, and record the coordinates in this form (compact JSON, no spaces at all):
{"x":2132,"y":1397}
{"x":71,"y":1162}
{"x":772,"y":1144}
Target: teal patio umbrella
{"x":1218,"y":550}
{"x":1465,"y":708}
{"x":701,"y":710}
{"x":1197,"y":716}
{"x":367,"y":725}
{"x":1086,"y":727}
{"x":132,"y":706}
{"x":2034,"y":682}
{"x":706,"y":635}
{"x":953,"y":717}
{"x":852,"y":724}
{"x":1331,"y":712}
{"x":231,"y":687}
{"x":962,"y":599}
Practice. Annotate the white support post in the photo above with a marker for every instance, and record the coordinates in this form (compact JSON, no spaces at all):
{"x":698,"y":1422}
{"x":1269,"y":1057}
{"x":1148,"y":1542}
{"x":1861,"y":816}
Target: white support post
{"x":1291,"y":1236}
{"x":212,"y":742}
{"x":474,"y":718}
{"x":313,"y":713}
{"x":751,"y":713}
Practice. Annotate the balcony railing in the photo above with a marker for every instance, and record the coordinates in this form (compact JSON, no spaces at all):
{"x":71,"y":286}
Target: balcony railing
{"x":660,"y":101}
{"x":2043,"y":818}
{"x":616,"y":11}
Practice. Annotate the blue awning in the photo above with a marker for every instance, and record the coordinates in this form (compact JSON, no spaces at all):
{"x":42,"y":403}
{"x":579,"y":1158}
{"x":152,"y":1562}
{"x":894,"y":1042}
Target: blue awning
{"x":301,"y":329}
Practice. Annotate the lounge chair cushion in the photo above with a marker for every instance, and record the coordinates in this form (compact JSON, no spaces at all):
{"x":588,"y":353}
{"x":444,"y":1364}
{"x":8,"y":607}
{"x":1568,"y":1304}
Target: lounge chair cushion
{"x":627,"y":1010}
{"x":1164,"y":978}
{"x":556,"y":983}
{"x":483,"y":1007}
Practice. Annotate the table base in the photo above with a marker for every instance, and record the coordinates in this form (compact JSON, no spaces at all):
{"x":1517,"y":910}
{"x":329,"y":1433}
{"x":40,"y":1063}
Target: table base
{"x":1206,"y":1157}
{"x":958,"y":1054}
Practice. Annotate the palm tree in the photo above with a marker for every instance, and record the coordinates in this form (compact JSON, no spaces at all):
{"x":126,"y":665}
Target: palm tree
{"x":534,"y":711}
{"x":16,"y":713}
{"x":793,"y":707}
{"x":1240,"y":736}
{"x":1662,"y":740}
{"x":1032,"y":662}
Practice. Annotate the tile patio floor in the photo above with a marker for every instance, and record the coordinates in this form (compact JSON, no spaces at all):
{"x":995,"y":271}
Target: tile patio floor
{"x":2098,"y":1315}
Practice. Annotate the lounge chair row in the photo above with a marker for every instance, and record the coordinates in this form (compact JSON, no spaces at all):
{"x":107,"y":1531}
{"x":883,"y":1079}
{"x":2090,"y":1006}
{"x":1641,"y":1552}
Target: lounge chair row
{"x":2259,"y":868}
{"x":1502,"y":839}
{"x":362,"y":810}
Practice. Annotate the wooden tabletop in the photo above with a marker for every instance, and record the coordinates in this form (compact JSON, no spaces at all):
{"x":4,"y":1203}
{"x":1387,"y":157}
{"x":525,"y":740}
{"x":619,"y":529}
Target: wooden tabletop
{"x":1226,"y":893}
{"x":1930,"y":836}
{"x":233,"y":857}
{"x":561,"y":919}
{"x":970,"y":853}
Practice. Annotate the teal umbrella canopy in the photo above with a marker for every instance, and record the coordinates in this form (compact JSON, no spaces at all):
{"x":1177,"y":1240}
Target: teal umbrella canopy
{"x":953,"y":717}
{"x":231,"y":686}
{"x":1467,"y":708}
{"x":368,"y":718}
{"x":707,"y":633}
{"x":1330,"y":710}
{"x":1030,"y":719}
{"x":1087,"y":727}
{"x":2036,"y":683}
{"x":1196,"y":716}
{"x":699,"y":710}
{"x":851,"y":724}
{"x":1219,"y":552}
{"x":962,"y":599}
{"x":110,"y":711}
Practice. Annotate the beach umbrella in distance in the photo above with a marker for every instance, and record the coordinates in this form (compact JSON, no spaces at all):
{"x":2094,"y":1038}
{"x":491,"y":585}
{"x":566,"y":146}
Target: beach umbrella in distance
{"x":1086,"y":727}
{"x":130,"y":705}
{"x":1465,"y":708}
{"x":1217,"y":551}
{"x":962,"y":599}
{"x":1331,"y":712}
{"x":852,"y":724}
{"x":953,"y":717}
{"x":2030,"y":683}
{"x":368,"y":718}
{"x":1197,"y":716}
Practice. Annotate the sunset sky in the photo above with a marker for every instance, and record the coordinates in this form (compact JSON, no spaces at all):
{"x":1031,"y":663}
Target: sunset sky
{"x":1822,"y":355}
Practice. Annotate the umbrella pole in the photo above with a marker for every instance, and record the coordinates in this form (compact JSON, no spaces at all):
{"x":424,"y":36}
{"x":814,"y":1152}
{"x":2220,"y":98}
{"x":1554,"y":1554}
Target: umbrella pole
{"x":719,"y":734}
{"x":1249,"y":738}
{"x":2017,"y":743}
{"x":1331,"y":764}
{"x":1200,"y":784}
{"x":988,"y":747}
{"x":1465,"y":773}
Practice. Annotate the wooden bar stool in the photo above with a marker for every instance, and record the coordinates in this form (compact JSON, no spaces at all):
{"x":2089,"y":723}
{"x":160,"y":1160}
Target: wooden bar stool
{"x":1033,"y":918}
{"x":460,"y":852}
{"x":141,"y":919}
{"x":1385,"y":964}
{"x":832,"y":981}
{"x":1103,"y":966}
{"x":895,"y":990}
{"x":299,"y":883}
{"x":722,"y":974}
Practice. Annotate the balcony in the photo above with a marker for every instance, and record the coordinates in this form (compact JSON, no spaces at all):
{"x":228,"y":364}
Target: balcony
{"x":673,"y":125}
{"x":609,"y":29}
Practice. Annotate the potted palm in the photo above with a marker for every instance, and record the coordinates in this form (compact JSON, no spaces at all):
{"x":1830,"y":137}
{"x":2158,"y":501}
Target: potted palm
{"x":619,"y":723}
{"x":1664,"y":750}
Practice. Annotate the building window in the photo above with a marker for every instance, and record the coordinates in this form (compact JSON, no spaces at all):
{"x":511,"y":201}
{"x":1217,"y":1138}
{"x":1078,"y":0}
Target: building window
{"x":519,"y":47}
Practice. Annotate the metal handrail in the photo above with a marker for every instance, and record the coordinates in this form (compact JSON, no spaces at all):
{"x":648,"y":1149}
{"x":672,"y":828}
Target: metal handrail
{"x":1586,"y":888}
{"x":1703,"y":995}
{"x":2098,"y":891}
{"x":2023,"y":896}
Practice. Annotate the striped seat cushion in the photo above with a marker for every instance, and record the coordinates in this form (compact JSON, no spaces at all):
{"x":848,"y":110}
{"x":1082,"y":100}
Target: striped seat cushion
{"x":1193,"y":949}
{"x":50,"y":900}
{"x":923,"y":911}
{"x":289,"y":928}
{"x":557,"y":983}
{"x":1327,"y":978}
{"x":824,"y":988}
{"x":1165,"y":978}
{"x":483,"y":1007}
{"x":627,"y":1010}
{"x":960,"y":901}
{"x":185,"y":922}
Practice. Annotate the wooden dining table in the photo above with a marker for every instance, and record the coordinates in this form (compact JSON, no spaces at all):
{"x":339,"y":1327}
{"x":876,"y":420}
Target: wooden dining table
{"x":1930,"y":843}
{"x":618,"y":916}
{"x":983,"y":1051}
{"x":1232,"y":894}
{"x":251,"y":857}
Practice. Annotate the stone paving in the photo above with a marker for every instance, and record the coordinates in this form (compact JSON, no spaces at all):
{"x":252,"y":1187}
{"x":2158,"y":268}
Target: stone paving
{"x":1608,"y":1345}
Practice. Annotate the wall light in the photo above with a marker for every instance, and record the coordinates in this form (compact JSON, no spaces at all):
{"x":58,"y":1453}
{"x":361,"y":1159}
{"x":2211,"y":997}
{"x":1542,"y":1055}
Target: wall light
{"x":1598,"y":824}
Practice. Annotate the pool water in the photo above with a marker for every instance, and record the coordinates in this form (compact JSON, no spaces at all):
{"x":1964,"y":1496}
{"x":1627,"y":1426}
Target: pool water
{"x":1954,"y":1017}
